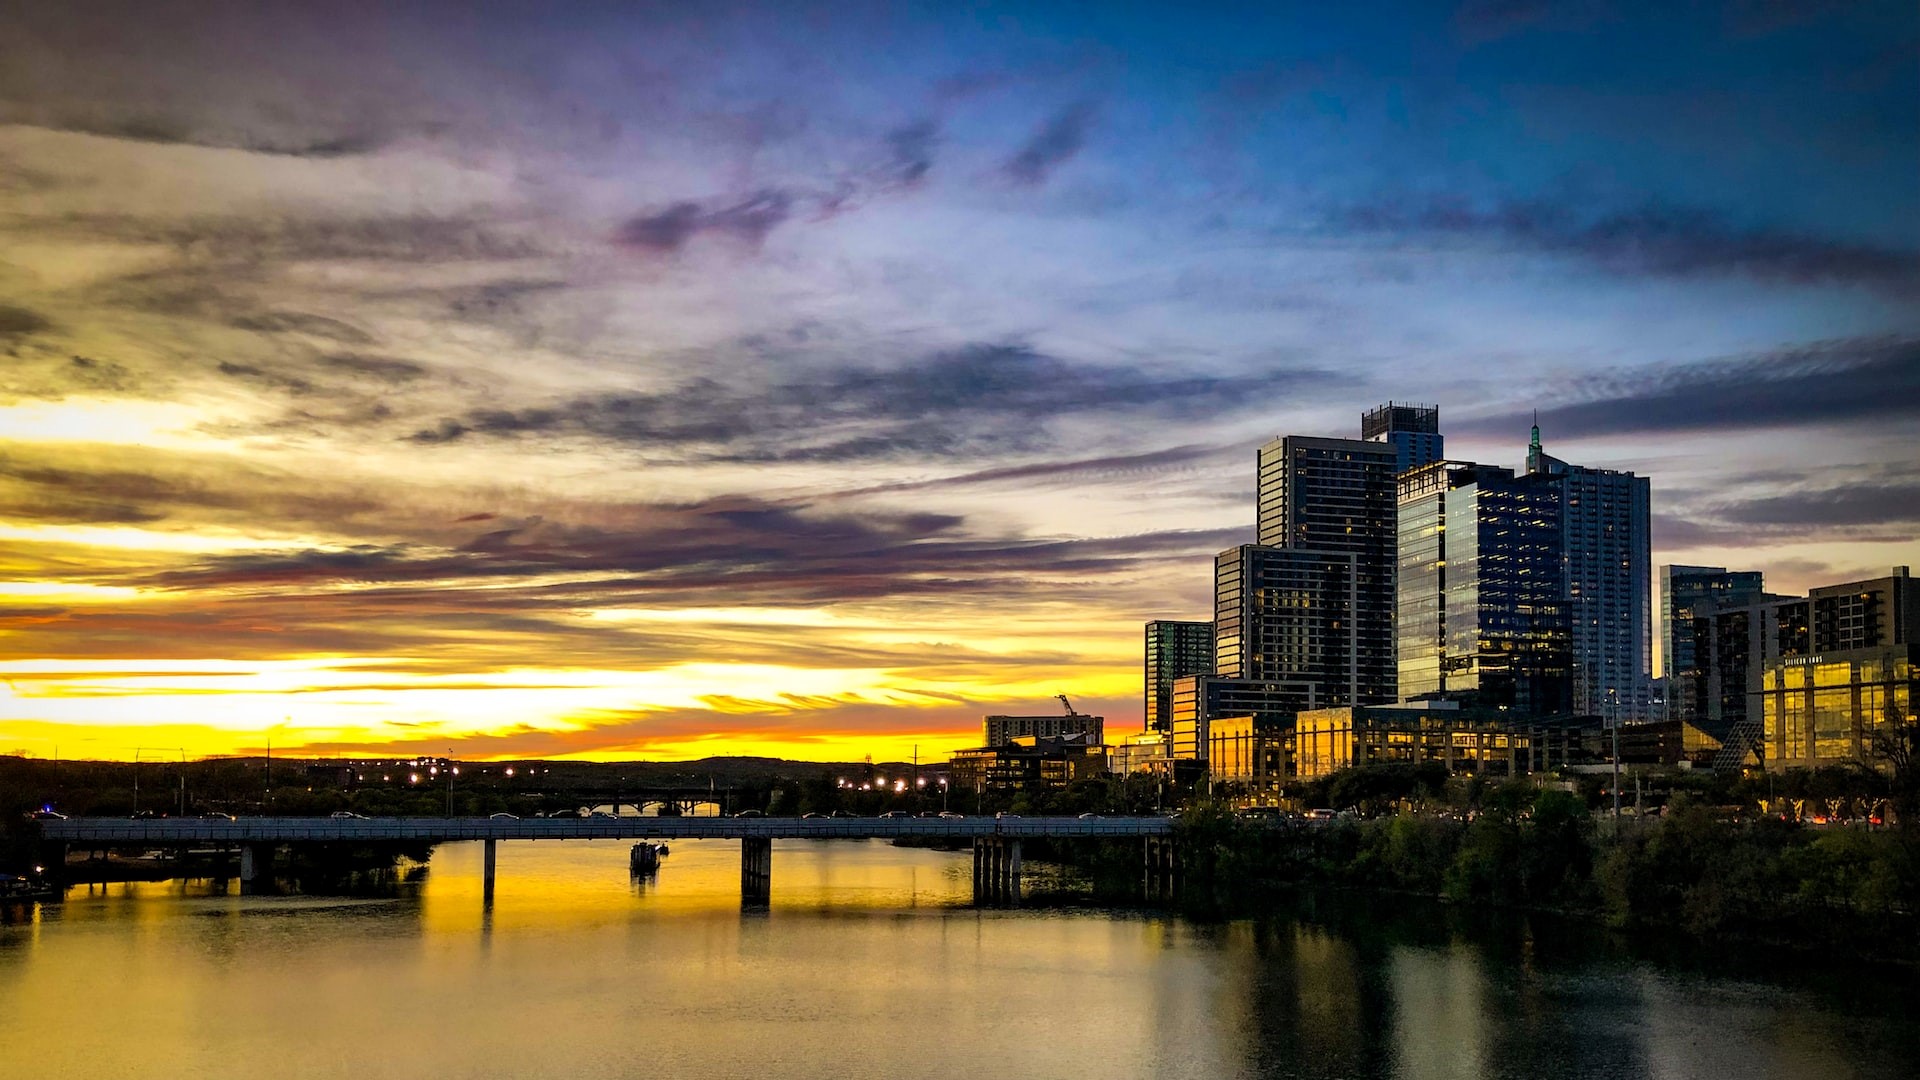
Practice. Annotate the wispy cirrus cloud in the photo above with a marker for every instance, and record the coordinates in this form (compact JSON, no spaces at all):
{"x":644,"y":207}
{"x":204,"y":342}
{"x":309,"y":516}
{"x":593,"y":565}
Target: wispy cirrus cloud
{"x":959,"y":403}
{"x":1054,"y":143}
{"x":1837,"y":382}
{"x":1654,"y":239}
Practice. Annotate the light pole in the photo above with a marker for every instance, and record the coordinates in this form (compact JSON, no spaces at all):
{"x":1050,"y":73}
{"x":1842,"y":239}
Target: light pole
{"x":1613,"y":720}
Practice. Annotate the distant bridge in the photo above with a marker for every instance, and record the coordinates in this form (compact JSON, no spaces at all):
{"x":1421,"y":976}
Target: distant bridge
{"x":996,"y":841}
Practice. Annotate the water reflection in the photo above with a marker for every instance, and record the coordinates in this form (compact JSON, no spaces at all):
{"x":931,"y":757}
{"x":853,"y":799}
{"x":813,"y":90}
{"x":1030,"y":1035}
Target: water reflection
{"x":869,"y":961}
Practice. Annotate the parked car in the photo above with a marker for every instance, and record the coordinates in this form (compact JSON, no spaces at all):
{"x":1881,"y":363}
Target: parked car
{"x":48,"y":815}
{"x":750,"y":813}
{"x":810,"y":814}
{"x":1088,"y":817}
{"x":1005,"y":816}
{"x":215,"y":815}
{"x":147,"y":815}
{"x":347,"y":815}
{"x":503,"y":817}
{"x":896,"y":814}
{"x":844,"y":813}
{"x":953,"y":815}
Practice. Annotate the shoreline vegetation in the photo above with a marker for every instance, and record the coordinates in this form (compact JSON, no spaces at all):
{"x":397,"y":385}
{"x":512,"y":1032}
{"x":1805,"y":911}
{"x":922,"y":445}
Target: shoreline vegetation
{"x":1692,"y":871}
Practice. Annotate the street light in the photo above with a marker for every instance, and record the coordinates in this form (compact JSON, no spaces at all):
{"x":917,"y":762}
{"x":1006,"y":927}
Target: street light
{"x":1613,"y":720}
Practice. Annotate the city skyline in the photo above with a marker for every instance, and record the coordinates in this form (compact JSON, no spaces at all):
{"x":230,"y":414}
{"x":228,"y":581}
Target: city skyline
{"x":667,"y":385}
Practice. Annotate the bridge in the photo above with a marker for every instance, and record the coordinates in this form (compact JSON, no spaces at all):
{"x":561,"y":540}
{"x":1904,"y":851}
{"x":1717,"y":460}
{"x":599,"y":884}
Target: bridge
{"x":996,"y":841}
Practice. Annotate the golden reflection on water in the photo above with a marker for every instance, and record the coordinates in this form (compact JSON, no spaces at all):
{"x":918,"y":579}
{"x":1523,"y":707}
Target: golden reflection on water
{"x":869,"y":961}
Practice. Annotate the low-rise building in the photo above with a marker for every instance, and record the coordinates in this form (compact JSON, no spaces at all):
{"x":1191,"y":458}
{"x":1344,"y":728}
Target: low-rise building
{"x":1814,"y":680}
{"x":1028,"y":762}
{"x":1250,"y":759}
{"x":1146,"y":752}
{"x":1469,"y":741}
{"x":1199,"y":699}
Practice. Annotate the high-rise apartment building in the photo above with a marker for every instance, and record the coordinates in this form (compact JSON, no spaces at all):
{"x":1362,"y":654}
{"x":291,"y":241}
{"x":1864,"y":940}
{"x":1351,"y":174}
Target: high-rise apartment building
{"x":1000,"y":730}
{"x":1608,"y":546}
{"x":1286,"y":615}
{"x":1688,"y":592}
{"x":1317,"y":497}
{"x":1412,"y":430}
{"x":1482,"y":602}
{"x":1174,"y":650}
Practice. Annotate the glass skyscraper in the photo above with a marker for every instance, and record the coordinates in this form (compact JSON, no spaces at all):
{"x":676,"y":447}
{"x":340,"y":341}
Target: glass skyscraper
{"x":1174,"y":650}
{"x":1482,"y":601}
{"x":1688,"y":593}
{"x":1607,"y":542}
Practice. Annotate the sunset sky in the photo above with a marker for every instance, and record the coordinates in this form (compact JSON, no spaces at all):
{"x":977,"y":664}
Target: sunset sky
{"x":809,"y":380}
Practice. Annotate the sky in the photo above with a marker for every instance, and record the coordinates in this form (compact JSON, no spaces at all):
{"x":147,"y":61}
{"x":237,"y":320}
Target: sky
{"x":626,"y":380}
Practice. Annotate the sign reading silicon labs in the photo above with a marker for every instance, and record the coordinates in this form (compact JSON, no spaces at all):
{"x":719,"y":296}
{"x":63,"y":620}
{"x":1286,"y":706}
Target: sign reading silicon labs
{"x":1801,"y":661}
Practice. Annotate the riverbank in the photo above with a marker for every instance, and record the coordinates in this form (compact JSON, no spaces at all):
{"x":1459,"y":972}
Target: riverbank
{"x":1689,"y":873}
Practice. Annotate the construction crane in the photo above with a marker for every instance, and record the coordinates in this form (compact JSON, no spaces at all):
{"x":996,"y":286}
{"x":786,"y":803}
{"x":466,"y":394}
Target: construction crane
{"x":1068,"y":704}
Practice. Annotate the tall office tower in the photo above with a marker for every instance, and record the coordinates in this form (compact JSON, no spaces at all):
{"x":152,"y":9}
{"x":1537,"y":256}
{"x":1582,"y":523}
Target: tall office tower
{"x":1482,"y":601}
{"x":1412,"y":430}
{"x":1174,"y":650}
{"x":1688,"y":592}
{"x":1284,"y":616}
{"x":1337,"y":496}
{"x":1609,"y":573}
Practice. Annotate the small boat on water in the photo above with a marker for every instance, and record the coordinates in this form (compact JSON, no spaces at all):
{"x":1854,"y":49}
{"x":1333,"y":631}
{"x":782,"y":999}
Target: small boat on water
{"x":645,"y":858}
{"x":15,"y":887}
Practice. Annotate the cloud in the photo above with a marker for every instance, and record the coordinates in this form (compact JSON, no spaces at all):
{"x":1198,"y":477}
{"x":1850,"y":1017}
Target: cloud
{"x":906,"y":157}
{"x":249,"y":240}
{"x":116,"y":485}
{"x":1838,"y":382}
{"x":1662,"y":240}
{"x":18,"y":322}
{"x":911,"y":150}
{"x":670,"y":228}
{"x":147,"y":127}
{"x":1052,"y":145}
{"x":382,"y":368}
{"x":1076,"y":471}
{"x":965,"y":402}
{"x":1868,"y":502}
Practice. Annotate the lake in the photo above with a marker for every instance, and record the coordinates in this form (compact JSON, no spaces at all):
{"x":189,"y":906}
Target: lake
{"x":870,"y":962}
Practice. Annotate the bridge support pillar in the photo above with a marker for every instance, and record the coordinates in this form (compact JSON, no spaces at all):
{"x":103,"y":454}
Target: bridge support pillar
{"x":1160,"y":879}
{"x":996,"y":870}
{"x":756,"y":869}
{"x":486,"y":872}
{"x":256,"y":868}
{"x":53,"y":856}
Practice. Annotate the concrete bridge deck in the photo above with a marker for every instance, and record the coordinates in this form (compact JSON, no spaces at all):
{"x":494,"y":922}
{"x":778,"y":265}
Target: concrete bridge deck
{"x":995,"y":841}
{"x":164,"y":832}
